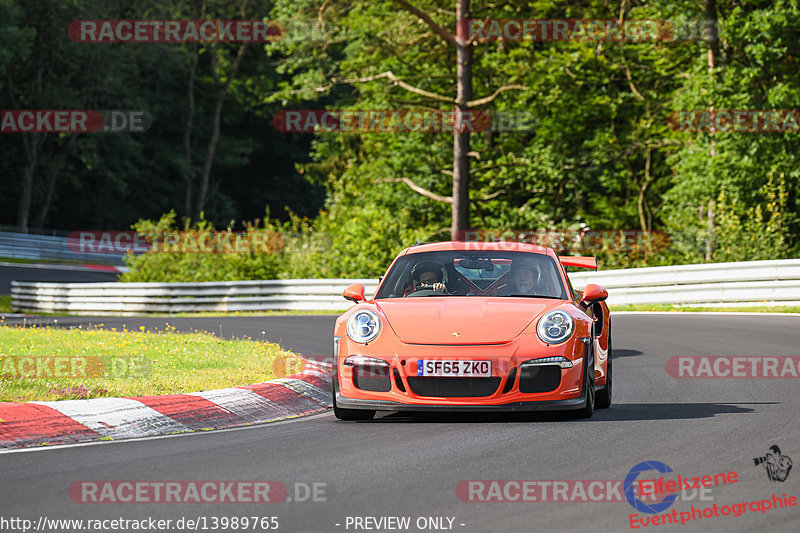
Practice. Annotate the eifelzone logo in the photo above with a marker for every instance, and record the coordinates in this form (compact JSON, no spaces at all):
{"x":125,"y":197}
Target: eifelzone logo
{"x":630,"y":482}
{"x":777,"y":465}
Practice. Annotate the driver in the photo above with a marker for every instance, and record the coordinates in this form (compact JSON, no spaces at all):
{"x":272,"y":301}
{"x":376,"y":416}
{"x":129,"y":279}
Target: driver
{"x":524,"y":279}
{"x":428,"y":275}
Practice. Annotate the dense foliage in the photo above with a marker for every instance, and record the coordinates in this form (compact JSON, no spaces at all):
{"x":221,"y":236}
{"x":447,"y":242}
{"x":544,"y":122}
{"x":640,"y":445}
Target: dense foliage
{"x":601,"y":155}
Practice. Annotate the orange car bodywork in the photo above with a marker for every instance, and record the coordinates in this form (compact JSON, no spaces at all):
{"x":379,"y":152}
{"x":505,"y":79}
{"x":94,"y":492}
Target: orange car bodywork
{"x":498,"y":329}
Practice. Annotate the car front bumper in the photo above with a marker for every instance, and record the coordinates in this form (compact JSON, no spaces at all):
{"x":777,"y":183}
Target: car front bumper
{"x":382,"y":405}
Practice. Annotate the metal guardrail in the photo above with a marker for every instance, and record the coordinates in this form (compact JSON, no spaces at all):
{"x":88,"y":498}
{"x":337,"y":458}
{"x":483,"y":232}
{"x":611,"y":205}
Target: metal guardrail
{"x":712,"y":284}
{"x":50,"y":248}
{"x":752,"y":282}
{"x":138,"y":298}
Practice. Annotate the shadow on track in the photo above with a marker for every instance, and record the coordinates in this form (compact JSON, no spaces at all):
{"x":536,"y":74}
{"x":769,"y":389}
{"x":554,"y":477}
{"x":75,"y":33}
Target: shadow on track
{"x":618,"y":413}
{"x":625,"y":353}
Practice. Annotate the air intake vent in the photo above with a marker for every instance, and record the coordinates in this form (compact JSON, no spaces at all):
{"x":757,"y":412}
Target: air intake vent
{"x":512,"y":376}
{"x":453,"y":387}
{"x":539,"y":378}
{"x":398,"y":381}
{"x":372,"y":378}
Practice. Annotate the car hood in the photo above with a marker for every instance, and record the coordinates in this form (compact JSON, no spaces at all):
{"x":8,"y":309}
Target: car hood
{"x":462,"y":320}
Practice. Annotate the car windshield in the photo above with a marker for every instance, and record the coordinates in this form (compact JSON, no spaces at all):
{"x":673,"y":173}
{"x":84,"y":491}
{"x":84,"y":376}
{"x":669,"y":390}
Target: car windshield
{"x":473,"y":273}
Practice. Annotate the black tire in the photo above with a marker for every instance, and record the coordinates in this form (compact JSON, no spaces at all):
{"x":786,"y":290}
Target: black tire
{"x":603,"y":399}
{"x":588,"y":385}
{"x":350,"y":414}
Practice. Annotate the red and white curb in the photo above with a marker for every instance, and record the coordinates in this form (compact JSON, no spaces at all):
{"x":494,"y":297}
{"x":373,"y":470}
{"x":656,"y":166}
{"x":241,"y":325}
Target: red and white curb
{"x":73,"y":421}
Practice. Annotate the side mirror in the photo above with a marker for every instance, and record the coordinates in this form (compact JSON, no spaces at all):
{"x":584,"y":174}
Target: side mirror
{"x":593,"y":293}
{"x":354,"y":293}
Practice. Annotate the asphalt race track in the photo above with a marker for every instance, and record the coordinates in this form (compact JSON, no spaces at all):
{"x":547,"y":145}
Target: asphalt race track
{"x":410,"y":467}
{"x":49,"y":273}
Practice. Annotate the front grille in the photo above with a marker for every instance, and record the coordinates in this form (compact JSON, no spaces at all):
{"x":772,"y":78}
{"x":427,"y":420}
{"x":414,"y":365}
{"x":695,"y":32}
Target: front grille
{"x":543,"y":378}
{"x":453,"y":387}
{"x":372,"y":378}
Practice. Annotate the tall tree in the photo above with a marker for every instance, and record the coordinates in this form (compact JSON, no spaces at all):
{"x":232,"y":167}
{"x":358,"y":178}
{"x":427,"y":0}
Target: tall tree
{"x":462,"y":103}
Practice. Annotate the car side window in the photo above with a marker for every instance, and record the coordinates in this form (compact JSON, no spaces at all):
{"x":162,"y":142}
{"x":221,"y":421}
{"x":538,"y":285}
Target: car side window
{"x":573,"y":293}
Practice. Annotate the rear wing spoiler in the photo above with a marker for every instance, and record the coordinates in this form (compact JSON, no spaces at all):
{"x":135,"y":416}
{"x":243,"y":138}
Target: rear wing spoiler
{"x":579,"y":262}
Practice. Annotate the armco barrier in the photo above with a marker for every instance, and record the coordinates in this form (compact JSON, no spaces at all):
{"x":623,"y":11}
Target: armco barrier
{"x":139,"y":298}
{"x":51,"y":248}
{"x":744,"y":283}
{"x":712,"y":284}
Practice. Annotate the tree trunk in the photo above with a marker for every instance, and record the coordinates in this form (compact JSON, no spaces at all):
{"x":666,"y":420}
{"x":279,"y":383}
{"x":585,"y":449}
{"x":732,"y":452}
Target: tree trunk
{"x":222,"y":90}
{"x":32,"y":145}
{"x":710,"y":7}
{"x":711,"y":33}
{"x":26,"y":191}
{"x":461,"y":140}
{"x":710,"y":235}
{"x":55,"y":170}
{"x":205,"y":175}
{"x":642,"y":190}
{"x":187,"y":135}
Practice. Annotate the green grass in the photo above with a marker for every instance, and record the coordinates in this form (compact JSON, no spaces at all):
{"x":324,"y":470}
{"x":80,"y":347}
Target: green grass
{"x":679,"y":309}
{"x":91,"y":363}
{"x":5,"y":303}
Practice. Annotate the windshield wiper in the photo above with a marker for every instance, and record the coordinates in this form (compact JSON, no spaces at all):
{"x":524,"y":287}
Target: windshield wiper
{"x":533,"y":296}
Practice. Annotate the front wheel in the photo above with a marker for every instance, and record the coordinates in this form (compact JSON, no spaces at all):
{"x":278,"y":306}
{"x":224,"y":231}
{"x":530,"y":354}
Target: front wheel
{"x":350,"y":414}
{"x":604,"y":396}
{"x":588,"y":385}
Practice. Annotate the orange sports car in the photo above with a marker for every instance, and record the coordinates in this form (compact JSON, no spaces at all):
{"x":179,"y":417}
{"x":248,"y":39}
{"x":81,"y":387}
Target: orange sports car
{"x":464,"y":326}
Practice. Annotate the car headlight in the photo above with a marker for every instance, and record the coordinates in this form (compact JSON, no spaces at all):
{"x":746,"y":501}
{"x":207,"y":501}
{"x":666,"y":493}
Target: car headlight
{"x":555,"y":327}
{"x":363,"y":326}
{"x":361,"y":360}
{"x":557,"y":360}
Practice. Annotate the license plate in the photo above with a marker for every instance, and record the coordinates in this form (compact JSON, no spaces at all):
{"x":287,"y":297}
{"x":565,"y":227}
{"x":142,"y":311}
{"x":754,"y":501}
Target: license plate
{"x":454,"y":369}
